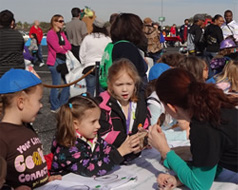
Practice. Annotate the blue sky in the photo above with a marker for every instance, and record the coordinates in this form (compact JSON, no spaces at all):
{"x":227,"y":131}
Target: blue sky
{"x":174,"y":11}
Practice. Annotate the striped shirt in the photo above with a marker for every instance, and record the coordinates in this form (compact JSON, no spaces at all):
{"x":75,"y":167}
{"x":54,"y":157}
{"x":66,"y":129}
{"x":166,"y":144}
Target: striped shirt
{"x":11,"y":50}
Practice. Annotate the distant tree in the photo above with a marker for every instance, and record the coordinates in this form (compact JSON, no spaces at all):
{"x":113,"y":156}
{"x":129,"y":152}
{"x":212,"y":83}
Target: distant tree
{"x":26,"y":26}
{"x":45,"y":26}
{"x":18,"y":25}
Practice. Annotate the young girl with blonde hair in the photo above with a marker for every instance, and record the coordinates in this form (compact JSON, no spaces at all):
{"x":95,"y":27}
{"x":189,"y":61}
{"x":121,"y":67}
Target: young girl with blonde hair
{"x":123,"y":107}
{"x":227,"y":80}
{"x":78,"y":148}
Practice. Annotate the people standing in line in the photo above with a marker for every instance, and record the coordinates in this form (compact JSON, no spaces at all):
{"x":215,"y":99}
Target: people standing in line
{"x":121,"y":105}
{"x":91,"y":50}
{"x":213,"y":130}
{"x":39,"y":33}
{"x":58,"y":45}
{"x":129,"y":27}
{"x":21,"y":93}
{"x":184,"y":31}
{"x":213,"y":36}
{"x":154,"y":48}
{"x":11,"y":44}
{"x":230,"y":26}
{"x":76,"y":30}
{"x":195,"y":36}
{"x":77,"y":141}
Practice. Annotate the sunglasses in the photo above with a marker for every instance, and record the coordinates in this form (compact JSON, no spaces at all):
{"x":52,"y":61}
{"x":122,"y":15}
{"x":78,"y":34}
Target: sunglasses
{"x":60,"y":21}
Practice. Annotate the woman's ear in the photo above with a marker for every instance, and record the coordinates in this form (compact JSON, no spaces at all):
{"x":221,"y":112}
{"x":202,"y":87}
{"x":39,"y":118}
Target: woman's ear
{"x":172,"y":108}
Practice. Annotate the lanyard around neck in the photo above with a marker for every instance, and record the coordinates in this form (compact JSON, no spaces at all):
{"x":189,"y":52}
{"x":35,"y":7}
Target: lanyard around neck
{"x":128,"y":131}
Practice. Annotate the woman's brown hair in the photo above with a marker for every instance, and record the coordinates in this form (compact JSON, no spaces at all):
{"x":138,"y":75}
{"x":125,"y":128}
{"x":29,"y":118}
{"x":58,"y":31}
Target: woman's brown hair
{"x":123,"y":65}
{"x":202,"y":101}
{"x":74,"y":109}
{"x":128,"y":26}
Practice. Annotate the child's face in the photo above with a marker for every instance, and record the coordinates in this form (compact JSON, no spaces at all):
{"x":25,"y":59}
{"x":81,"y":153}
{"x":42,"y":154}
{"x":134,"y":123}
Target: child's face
{"x":123,"y":87}
{"x":89,"y":125}
{"x":32,"y":104}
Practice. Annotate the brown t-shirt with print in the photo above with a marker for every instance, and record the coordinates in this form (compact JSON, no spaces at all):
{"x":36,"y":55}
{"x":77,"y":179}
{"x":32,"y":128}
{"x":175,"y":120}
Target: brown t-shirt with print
{"x":22,"y":150}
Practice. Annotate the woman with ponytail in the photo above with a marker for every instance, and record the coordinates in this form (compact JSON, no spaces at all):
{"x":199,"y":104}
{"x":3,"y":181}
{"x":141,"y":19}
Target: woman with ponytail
{"x":213,"y":130}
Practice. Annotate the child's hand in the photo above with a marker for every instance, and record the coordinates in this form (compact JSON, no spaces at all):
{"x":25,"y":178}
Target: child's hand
{"x":54,"y":177}
{"x":166,"y":182}
{"x":143,"y":136}
{"x":131,"y":144}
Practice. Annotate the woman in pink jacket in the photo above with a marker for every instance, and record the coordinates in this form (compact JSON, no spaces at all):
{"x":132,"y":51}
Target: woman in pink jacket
{"x":58,"y":45}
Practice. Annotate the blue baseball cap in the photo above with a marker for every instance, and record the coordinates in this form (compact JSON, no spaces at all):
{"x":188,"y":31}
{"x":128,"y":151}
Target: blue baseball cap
{"x":156,"y":70}
{"x":16,"y":80}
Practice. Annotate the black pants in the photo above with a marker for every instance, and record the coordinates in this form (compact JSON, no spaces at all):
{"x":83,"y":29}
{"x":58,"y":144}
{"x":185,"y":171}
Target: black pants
{"x":75,"y":51}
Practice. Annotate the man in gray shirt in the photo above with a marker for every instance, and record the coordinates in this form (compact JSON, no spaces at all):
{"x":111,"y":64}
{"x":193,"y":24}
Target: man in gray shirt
{"x":76,"y":30}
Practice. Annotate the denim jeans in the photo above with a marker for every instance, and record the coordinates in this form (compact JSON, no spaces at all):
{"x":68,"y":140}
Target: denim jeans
{"x":57,"y":98}
{"x":155,"y":56}
{"x":40,"y":58}
{"x":90,"y":84}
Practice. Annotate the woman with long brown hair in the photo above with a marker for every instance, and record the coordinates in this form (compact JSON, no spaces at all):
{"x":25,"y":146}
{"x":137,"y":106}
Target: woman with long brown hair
{"x":213,"y":130}
{"x":129,"y":27}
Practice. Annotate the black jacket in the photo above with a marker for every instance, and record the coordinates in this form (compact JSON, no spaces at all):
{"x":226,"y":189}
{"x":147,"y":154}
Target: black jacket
{"x":213,"y":37}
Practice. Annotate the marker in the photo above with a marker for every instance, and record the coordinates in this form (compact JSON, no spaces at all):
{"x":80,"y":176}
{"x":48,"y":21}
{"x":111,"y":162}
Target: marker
{"x":139,"y":126}
{"x":98,"y":186}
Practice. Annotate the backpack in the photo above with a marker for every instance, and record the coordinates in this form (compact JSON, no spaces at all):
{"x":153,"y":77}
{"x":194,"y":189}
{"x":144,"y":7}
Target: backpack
{"x":106,"y":62}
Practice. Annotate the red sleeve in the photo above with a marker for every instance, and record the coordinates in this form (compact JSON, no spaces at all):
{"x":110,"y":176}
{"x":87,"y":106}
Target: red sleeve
{"x":49,"y":158}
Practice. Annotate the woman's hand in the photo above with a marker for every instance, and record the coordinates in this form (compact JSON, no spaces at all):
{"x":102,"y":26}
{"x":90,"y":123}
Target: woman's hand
{"x":166,"y":182}
{"x":158,"y":140}
{"x":131,"y":144}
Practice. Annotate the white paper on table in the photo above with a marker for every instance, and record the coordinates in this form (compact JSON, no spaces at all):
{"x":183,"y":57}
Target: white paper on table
{"x":77,"y":182}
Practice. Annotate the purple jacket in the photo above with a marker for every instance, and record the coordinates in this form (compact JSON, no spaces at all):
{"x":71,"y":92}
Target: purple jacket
{"x":54,"y":47}
{"x":27,"y":54}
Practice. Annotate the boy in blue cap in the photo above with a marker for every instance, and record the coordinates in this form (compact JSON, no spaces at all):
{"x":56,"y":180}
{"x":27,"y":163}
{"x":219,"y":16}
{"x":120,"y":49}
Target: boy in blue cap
{"x":21,"y":93}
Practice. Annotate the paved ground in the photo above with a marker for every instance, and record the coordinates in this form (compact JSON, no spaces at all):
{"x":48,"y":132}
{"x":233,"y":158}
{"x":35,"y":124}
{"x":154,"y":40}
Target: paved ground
{"x":45,"y":122}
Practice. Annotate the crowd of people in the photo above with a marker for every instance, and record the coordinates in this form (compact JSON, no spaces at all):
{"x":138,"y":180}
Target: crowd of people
{"x":193,"y":93}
